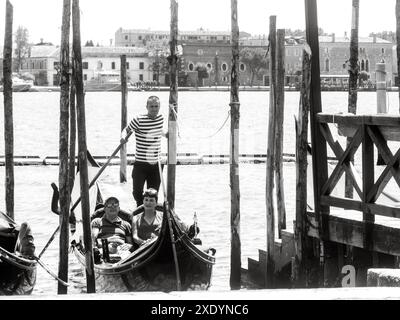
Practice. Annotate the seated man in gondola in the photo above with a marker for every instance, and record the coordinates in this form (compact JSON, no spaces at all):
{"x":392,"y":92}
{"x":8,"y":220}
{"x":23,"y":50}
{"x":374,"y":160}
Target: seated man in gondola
{"x":110,"y":226}
{"x":147,"y":225}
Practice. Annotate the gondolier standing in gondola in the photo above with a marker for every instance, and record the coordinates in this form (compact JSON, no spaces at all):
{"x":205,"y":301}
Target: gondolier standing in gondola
{"x":148,"y":129}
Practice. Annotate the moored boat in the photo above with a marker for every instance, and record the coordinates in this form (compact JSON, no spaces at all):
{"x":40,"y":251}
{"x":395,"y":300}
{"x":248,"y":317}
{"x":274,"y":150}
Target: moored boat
{"x":17,"y":262}
{"x":154,"y":266}
{"x":104,"y":81}
{"x":19,"y":84}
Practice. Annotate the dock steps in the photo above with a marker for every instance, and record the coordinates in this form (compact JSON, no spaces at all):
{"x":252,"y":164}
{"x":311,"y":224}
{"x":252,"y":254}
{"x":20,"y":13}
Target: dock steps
{"x":284,"y":250}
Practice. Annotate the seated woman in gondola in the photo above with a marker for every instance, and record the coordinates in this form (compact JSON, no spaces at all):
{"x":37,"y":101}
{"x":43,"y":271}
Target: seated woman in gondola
{"x":110,"y":226}
{"x":147,"y":225}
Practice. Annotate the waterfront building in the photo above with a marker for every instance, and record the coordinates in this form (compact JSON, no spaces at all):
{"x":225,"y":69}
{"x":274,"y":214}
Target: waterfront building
{"x":206,"y":58}
{"x":160,"y":39}
{"x":335,"y":54}
{"x":44,"y":63}
{"x":334,"y":59}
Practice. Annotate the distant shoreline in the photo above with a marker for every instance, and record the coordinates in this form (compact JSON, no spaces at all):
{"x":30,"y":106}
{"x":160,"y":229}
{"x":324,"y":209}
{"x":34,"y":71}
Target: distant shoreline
{"x":203,"y":89}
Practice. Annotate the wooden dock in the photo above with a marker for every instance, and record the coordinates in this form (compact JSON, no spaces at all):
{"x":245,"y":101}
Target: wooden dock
{"x":362,"y":293}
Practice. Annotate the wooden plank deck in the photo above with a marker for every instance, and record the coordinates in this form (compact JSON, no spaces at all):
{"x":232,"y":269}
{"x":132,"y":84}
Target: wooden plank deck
{"x":361,"y":293}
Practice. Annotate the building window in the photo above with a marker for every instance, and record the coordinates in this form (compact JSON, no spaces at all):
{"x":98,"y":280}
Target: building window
{"x":99,"y":65}
{"x":242,"y":67}
{"x":85,"y":77}
{"x":224,"y":67}
{"x":113,"y":65}
{"x":200,"y":52}
{"x":209,"y":66}
{"x":191,"y":66}
{"x":85,"y":65}
{"x":127,"y":65}
{"x":56,"y":79}
{"x":383,"y":50}
{"x":362,"y":65}
{"x":367,"y":65}
{"x":225,"y":79}
{"x":140,"y":77}
{"x":126,"y":37}
{"x":140,"y":37}
{"x":141,"y":65}
{"x":327,"y":65}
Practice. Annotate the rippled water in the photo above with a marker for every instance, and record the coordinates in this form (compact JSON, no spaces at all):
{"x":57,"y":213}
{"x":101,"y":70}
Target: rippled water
{"x":201,"y":189}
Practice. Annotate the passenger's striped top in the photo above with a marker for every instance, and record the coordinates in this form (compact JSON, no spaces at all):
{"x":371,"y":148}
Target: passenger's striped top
{"x":148,"y":134}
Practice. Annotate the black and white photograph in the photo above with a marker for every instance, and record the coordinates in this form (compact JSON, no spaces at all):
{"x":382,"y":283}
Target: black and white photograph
{"x":201,"y":153}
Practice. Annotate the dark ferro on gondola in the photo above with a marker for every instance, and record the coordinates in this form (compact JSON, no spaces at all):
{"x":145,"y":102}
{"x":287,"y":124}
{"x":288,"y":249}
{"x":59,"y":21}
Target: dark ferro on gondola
{"x":151,"y":267}
{"x":17,"y":261}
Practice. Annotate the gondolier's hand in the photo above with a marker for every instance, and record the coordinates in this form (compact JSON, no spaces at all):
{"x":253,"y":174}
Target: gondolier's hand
{"x":124,"y":135}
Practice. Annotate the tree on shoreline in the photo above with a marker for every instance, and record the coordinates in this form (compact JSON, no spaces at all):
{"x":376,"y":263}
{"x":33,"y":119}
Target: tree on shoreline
{"x":255,"y":59}
{"x":22,"y":46}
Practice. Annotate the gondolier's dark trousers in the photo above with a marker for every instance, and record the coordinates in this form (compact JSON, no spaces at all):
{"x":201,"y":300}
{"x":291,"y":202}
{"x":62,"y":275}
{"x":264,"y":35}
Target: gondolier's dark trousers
{"x":144,"y":172}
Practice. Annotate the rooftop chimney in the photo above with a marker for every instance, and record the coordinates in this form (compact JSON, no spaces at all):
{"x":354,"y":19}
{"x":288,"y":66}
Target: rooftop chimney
{"x":333,"y":37}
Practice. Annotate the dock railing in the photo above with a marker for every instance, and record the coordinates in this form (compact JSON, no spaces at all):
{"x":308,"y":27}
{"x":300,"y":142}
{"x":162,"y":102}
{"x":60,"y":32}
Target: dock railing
{"x":367,"y":132}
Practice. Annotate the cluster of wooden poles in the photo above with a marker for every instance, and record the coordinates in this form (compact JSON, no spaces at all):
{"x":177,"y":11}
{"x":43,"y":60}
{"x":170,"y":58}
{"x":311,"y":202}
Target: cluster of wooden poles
{"x":72,"y":126}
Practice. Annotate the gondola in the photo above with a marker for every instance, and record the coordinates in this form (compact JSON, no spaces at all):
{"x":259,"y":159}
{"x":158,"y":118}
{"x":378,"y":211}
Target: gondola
{"x":17,"y":262}
{"x":156,"y":265}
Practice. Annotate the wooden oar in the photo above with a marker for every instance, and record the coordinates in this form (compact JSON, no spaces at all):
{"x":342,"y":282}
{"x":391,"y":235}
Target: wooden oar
{"x":103,"y":168}
{"x":90,"y":185}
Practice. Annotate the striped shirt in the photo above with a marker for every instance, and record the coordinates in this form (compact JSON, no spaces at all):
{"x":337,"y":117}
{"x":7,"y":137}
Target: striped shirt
{"x":148,"y":134}
{"x":119,"y":228}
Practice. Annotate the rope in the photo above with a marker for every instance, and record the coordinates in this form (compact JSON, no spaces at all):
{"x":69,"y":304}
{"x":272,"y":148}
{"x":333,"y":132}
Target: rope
{"x":226,"y":120}
{"x":50,"y":272}
{"x":49,"y":242}
{"x":172,"y":108}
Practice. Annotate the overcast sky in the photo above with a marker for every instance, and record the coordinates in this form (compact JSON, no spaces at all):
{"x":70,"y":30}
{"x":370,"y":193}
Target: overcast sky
{"x":100,"y":19}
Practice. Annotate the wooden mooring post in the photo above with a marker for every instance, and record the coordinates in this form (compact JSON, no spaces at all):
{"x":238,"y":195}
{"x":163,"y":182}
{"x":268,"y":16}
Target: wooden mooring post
{"x":173,"y":104}
{"x":63,"y":176}
{"x":381,"y":106}
{"x":398,"y":43}
{"x":172,"y":130}
{"x":353,"y":61}
{"x":72,"y":131}
{"x":301,"y":272}
{"x":82,"y":154}
{"x":8,"y":111}
{"x":235,"y":277}
{"x":352,"y":107}
{"x":270,"y":215}
{"x":280,"y":106}
{"x":319,"y":149}
{"x":353,"y":81}
{"x":124,"y":118}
